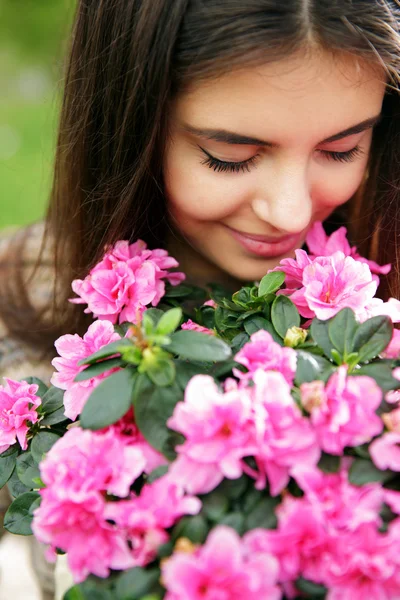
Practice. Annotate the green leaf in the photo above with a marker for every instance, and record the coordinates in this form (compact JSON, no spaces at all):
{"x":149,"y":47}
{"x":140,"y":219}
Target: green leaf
{"x":74,"y":593}
{"x":364,"y":471}
{"x":52,"y":400}
{"x":55,"y":417}
{"x":27,"y":469}
{"x":320,"y":333}
{"x":336,"y":357}
{"x":19,"y":515}
{"x":15,"y":485}
{"x":328,"y":463}
{"x":42,"y":386}
{"x":284,"y":315}
{"x":233,"y":488}
{"x":372,"y":337}
{"x":239,"y":341}
{"x":179,"y":291}
{"x":41,"y":444}
{"x":135,"y":583}
{"x":89,"y":590}
{"x":194,"y":345}
{"x":7,"y":466}
{"x":106,"y":352}
{"x":382,"y":373}
{"x":157,"y":473}
{"x":314,"y":590}
{"x":99,"y":368}
{"x":186,"y":370}
{"x":262,"y":515}
{"x":215,"y":506}
{"x":254,"y":324}
{"x":342,"y":329}
{"x":194,"y":528}
{"x":109,"y":401}
{"x":162,"y":373}
{"x":311,"y":367}
{"x":270,"y":283}
{"x":242,"y":297}
{"x":169,"y":321}
{"x":235,"y":520}
{"x":153,"y":406}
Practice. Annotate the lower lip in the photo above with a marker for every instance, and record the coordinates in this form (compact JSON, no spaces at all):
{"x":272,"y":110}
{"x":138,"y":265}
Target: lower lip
{"x":266,"y":249}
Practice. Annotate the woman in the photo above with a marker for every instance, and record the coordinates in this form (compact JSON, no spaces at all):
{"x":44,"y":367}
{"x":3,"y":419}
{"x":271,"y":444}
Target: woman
{"x":221,"y":130}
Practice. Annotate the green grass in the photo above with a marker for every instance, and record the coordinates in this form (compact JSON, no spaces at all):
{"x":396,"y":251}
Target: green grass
{"x":33,"y":36}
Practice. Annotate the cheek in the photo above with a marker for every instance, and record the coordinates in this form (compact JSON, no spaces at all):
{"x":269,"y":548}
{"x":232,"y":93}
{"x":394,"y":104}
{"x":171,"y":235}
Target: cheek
{"x":333,"y":188}
{"x":196,"y":192}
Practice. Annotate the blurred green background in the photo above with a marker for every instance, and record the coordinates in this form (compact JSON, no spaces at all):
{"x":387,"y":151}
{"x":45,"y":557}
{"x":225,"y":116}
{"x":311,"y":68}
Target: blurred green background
{"x":33,"y":41}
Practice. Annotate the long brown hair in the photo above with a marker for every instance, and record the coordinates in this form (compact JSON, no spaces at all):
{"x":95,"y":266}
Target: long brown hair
{"x":127,"y":60}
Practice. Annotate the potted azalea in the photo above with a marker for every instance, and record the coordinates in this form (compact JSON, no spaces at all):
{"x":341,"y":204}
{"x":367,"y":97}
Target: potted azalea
{"x":247,"y":446}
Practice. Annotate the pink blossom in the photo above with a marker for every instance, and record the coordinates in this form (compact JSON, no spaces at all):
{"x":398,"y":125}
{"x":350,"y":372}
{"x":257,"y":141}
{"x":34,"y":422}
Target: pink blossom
{"x":18,"y":404}
{"x":331,"y":283}
{"x":365,"y":565}
{"x":294,"y":268}
{"x":392,"y":420}
{"x":127,"y":279}
{"x":210,"y":303}
{"x":72,"y":349}
{"x":320,"y":244}
{"x":219,"y":433}
{"x":79,"y":471}
{"x":221,"y":569}
{"x":377,"y":307}
{"x":192,"y":326}
{"x":262,"y":352}
{"x":146,"y":517}
{"x":393,"y":397}
{"x":343,"y":413}
{"x":385,"y":451}
{"x":393,"y":349}
{"x":284,"y":437}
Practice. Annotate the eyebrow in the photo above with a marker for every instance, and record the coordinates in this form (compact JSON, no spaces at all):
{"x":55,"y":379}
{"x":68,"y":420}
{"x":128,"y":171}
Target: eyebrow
{"x":229,"y":137}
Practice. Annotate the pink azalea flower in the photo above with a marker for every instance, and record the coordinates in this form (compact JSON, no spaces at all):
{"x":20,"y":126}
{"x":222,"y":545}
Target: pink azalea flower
{"x":222,"y":569}
{"x":392,"y":420}
{"x":192,"y":326}
{"x":320,"y":244}
{"x":146,"y":517}
{"x":377,"y":307}
{"x":385,"y":451}
{"x":218,"y":431}
{"x":393,"y":397}
{"x":294,"y":268}
{"x":79,"y":471}
{"x":284,"y":437}
{"x":343,"y":413}
{"x":331,"y":283}
{"x":262,"y":352}
{"x":72,"y":349}
{"x":18,"y":404}
{"x":127,"y":279}
{"x":393,"y":350}
{"x":210,"y":303}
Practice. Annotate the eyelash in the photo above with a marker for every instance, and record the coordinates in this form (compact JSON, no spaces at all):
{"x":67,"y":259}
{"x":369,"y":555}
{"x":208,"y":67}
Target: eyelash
{"x":222,"y":166}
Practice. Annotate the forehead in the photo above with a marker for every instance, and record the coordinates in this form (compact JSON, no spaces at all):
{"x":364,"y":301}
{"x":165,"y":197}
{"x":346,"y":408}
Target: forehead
{"x":313,"y":97}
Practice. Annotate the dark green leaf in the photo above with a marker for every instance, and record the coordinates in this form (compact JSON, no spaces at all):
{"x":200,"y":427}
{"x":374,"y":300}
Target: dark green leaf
{"x":194,"y":528}
{"x":270,"y":283}
{"x":27,"y":469}
{"x":262,"y":515}
{"x":41,"y":444}
{"x":74,"y":593}
{"x":153,"y":406}
{"x":252,"y":498}
{"x":235,"y":520}
{"x":55,"y":417}
{"x":99,"y":368}
{"x":7,"y":466}
{"x":162,"y":373}
{"x":372,"y":337}
{"x":42,"y":386}
{"x":242,"y":297}
{"x":329,"y":463}
{"x":233,"y":488}
{"x":364,"y":471}
{"x":320,"y":334}
{"x":109,"y":401}
{"x":194,"y":345}
{"x":311,"y":367}
{"x":15,"y":485}
{"x":284,"y":315}
{"x":89,"y":590}
{"x":239,"y":341}
{"x":342,"y":329}
{"x":157,"y":473}
{"x":207,"y":316}
{"x":314,"y":590}
{"x":186,"y":370}
{"x":135,"y":583}
{"x":382,"y":373}
{"x":19,"y":515}
{"x":253,"y":324}
{"x":215,"y":506}
{"x":180,"y":291}
{"x":106,"y":351}
{"x":52,"y":400}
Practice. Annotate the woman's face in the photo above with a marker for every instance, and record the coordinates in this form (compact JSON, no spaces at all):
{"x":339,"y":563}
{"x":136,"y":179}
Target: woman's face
{"x":258,"y":155}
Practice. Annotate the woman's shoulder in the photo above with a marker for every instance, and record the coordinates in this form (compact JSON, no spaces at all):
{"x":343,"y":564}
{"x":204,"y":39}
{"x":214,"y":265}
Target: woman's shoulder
{"x":19,"y":360}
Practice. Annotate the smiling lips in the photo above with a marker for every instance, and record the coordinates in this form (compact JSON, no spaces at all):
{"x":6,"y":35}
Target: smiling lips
{"x":265,"y":246}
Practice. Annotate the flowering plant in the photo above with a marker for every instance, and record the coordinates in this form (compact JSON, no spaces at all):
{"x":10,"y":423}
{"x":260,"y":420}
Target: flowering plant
{"x":248,"y":447}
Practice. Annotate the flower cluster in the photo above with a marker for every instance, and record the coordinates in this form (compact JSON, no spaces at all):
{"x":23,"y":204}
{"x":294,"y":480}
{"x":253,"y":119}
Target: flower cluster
{"x":127,"y":279}
{"x":18,"y":412}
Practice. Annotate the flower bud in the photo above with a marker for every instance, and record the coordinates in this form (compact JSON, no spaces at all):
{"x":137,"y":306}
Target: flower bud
{"x":295,"y":336}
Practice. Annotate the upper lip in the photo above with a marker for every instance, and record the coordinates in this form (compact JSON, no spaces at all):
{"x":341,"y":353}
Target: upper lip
{"x":268,"y":239}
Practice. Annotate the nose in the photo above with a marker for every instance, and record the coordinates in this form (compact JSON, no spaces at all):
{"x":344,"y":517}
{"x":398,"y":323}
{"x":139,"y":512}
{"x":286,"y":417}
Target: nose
{"x":285,"y":202}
